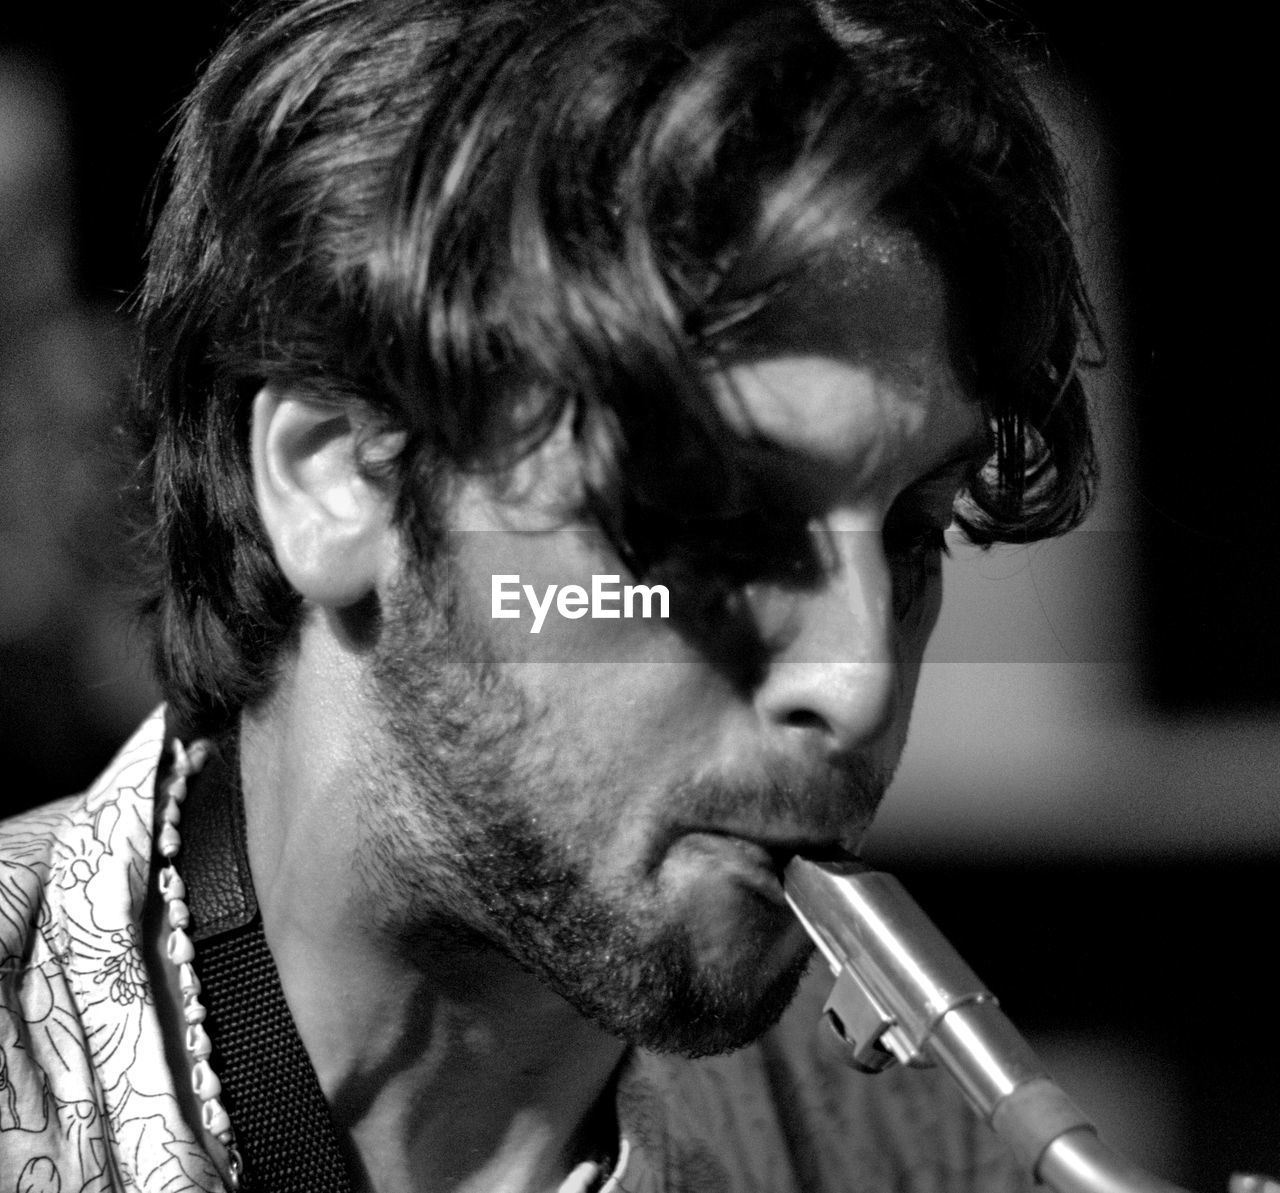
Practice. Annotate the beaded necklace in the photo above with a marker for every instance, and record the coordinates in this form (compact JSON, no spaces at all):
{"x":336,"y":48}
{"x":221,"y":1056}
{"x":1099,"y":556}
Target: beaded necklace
{"x":181,"y":952}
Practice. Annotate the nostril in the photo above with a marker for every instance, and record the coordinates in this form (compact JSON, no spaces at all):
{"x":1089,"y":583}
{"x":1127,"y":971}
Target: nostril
{"x":803,"y":718}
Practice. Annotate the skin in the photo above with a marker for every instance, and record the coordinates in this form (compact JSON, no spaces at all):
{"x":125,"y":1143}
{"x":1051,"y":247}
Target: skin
{"x":463,"y":1015}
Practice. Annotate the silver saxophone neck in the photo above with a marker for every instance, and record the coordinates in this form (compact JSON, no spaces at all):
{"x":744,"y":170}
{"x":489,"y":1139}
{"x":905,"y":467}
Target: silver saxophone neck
{"x":902,"y":994}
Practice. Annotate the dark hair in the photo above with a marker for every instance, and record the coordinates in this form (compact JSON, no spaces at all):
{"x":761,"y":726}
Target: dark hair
{"x":479,"y":217}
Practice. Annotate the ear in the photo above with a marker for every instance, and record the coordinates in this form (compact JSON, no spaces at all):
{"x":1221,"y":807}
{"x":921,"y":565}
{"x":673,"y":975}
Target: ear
{"x":329,"y":524}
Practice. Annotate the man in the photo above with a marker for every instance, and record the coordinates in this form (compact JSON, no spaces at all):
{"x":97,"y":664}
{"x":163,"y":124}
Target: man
{"x":551,"y":414}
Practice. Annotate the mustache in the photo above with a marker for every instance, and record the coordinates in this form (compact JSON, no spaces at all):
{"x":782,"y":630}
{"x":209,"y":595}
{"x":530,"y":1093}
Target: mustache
{"x":829,"y":799}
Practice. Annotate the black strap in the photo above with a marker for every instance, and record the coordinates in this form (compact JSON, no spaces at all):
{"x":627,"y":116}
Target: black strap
{"x":281,"y":1120}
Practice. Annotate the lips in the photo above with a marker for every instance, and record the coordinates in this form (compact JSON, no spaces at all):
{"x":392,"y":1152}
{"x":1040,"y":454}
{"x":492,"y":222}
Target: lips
{"x":821,"y":813}
{"x":770,"y":851}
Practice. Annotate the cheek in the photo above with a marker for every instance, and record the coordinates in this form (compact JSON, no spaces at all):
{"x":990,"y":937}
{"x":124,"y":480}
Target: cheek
{"x":619,"y":735}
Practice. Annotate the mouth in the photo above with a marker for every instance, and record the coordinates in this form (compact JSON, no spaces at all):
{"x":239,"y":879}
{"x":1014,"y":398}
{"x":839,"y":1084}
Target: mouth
{"x":768,"y":854}
{"x":812,"y":851}
{"x":783,"y":845}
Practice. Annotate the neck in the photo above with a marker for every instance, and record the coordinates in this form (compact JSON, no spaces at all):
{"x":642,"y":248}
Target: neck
{"x":448,"y":1068}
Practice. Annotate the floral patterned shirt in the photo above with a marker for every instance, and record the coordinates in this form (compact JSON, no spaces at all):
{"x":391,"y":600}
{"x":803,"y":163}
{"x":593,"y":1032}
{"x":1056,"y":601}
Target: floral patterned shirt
{"x":88,"y":1105}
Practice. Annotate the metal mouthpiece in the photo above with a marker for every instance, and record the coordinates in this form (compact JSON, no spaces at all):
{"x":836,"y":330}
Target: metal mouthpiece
{"x":903,"y":994}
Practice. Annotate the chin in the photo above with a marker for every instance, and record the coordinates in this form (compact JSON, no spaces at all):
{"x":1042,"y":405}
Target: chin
{"x":672,"y":997}
{"x":726,"y":1013}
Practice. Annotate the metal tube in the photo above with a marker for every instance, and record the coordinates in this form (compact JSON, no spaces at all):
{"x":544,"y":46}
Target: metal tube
{"x":903,"y":993}
{"x":1080,"y":1160}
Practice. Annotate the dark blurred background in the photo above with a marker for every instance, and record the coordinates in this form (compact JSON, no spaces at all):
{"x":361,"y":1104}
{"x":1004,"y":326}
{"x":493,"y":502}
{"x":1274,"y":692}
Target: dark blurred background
{"x":86,"y":100}
{"x":1089,"y":804}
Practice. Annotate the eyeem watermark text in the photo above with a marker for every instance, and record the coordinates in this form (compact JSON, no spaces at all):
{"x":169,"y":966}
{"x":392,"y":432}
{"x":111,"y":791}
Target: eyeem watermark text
{"x":608,"y":598}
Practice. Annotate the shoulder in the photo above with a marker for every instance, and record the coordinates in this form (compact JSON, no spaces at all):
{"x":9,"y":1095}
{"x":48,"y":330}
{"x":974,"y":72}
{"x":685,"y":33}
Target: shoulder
{"x":786,"y":1114}
{"x":86,"y":1097}
{"x":59,"y":849}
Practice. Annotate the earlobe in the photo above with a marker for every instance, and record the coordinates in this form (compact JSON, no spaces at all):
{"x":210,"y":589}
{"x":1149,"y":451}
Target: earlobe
{"x":328,"y":522}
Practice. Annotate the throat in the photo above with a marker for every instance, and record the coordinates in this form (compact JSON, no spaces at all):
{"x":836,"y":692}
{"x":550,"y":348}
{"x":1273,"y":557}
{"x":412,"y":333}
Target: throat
{"x":461,"y":1103}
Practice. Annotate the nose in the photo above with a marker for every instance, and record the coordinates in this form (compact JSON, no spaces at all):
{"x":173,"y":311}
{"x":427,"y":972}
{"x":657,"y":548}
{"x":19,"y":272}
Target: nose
{"x":834,"y":677}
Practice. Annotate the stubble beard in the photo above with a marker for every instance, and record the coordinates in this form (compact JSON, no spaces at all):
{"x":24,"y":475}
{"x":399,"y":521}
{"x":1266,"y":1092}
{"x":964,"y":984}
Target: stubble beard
{"x":456,"y":861}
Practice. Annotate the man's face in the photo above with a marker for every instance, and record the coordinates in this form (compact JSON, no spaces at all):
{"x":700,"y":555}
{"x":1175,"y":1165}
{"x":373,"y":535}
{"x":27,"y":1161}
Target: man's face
{"x":611,"y":801}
